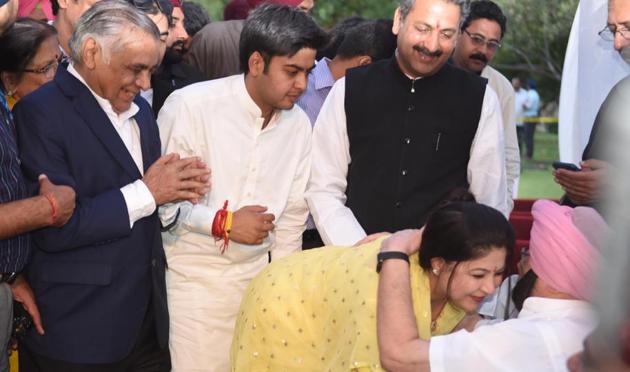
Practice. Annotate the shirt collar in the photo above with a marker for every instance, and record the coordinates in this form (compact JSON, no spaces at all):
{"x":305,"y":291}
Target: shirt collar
{"x":553,"y":307}
{"x":102,"y":102}
{"x":322,"y":77}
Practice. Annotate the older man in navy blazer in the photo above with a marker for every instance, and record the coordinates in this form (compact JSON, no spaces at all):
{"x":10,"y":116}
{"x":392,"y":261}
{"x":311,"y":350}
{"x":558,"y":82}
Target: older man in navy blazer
{"x":99,"y":280}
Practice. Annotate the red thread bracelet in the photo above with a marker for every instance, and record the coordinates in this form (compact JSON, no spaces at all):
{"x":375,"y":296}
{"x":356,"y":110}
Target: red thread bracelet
{"x":53,"y":205}
{"x":218,"y":227}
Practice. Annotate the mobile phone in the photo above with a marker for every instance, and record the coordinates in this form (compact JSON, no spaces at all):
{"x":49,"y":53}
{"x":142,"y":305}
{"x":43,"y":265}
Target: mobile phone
{"x":567,"y":166}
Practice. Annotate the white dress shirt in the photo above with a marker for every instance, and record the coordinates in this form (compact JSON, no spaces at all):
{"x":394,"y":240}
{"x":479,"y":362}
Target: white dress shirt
{"x":545,"y":334}
{"x":218,"y":121}
{"x":326,"y":193}
{"x":505,"y":92}
{"x":139,"y":200}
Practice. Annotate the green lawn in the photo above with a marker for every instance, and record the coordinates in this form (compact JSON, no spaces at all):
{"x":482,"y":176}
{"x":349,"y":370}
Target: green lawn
{"x":536,"y":178}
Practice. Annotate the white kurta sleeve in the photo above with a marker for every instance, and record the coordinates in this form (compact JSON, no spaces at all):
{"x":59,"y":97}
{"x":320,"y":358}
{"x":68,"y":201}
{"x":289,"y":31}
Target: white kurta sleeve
{"x":486,"y":167}
{"x":512,"y":152}
{"x":292,"y":223}
{"x":498,"y":347}
{"x":326,"y":193}
{"x":179,"y":134}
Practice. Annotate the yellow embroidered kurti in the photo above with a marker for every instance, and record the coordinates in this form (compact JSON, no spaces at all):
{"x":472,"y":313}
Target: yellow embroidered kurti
{"x":316,"y":311}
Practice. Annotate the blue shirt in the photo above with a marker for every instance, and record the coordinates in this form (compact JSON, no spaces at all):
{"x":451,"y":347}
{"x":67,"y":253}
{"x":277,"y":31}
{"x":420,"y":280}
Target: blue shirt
{"x":14,"y":251}
{"x":320,"y":82}
{"x":533,"y":104}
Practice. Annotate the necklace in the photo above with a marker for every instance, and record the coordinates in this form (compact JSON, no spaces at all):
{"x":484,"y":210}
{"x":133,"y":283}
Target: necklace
{"x":437,"y":316}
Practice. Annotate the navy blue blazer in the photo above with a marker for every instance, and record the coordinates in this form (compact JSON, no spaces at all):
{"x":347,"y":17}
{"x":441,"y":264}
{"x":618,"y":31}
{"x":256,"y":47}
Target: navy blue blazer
{"x":95,"y":277}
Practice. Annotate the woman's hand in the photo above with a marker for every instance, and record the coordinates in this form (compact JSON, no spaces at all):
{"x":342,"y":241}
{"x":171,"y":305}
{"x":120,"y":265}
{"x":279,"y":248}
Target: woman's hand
{"x":370,"y":238}
{"x":407,"y":241}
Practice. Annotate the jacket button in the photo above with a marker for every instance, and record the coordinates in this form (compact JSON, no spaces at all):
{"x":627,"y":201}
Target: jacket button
{"x":398,"y":204}
{"x":404,"y":172}
{"x":153,"y":262}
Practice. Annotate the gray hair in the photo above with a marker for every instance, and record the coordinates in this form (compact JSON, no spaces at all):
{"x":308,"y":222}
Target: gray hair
{"x":107,"y":22}
{"x":406,"y":5}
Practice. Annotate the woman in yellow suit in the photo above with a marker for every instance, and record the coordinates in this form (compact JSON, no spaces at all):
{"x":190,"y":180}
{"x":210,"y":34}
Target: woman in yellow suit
{"x":316,"y":310}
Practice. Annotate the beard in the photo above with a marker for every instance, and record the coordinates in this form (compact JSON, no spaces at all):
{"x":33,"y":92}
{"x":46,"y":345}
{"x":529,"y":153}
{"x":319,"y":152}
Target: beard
{"x":175,"y":53}
{"x":625,"y":54}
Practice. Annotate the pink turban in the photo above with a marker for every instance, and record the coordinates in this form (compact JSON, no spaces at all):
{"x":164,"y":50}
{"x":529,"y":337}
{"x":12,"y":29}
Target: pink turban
{"x":564,"y":247}
{"x":26,"y":7}
{"x":176,"y":3}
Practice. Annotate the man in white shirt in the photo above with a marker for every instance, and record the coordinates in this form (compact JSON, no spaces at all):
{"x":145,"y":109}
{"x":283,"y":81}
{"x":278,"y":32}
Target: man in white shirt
{"x":553,"y":298}
{"x":394,"y":137}
{"x":481,"y":36}
{"x":99,"y":280}
{"x":257,"y":143}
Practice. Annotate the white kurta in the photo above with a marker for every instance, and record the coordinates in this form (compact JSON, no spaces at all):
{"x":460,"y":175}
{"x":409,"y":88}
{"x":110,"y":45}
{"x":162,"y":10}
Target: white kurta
{"x":505,"y":92}
{"x":545,"y":334}
{"x":218,"y":121}
{"x":326,"y":194}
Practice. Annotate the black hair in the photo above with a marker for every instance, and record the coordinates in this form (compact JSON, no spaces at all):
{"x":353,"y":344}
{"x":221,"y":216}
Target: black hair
{"x":486,"y":9}
{"x":523,"y":289}
{"x":464,"y":230}
{"x":336,"y":36}
{"x":195,"y":17}
{"x":372,"y":38}
{"x":55,"y":6}
{"x":278,"y":30}
{"x":153,"y":7}
{"x":20,"y":42}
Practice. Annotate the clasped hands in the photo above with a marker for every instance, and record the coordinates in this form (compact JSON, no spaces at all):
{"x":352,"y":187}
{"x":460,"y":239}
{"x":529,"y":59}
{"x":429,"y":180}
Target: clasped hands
{"x":172,"y":179}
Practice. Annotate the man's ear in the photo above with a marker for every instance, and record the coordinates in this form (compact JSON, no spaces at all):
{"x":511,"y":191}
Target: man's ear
{"x":397,"y":22}
{"x":364,"y":60}
{"x":90,"y":52}
{"x":63,"y":4}
{"x":256,"y":64}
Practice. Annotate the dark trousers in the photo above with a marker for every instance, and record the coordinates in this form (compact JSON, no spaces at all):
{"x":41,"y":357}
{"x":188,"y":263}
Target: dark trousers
{"x":146,"y":356}
{"x":530,"y":129}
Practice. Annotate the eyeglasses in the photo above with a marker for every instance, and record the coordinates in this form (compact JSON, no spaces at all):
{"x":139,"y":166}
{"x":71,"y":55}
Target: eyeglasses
{"x":48,"y":70}
{"x":480,"y":41}
{"x":609,"y":35}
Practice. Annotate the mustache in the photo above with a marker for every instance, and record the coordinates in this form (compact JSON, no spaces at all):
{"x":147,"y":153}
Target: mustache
{"x":178,"y":43}
{"x":479,"y":57}
{"x":420,"y":49}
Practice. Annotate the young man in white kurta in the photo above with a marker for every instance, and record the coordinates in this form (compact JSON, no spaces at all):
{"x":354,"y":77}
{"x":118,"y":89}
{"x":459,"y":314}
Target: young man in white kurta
{"x":257,"y":144}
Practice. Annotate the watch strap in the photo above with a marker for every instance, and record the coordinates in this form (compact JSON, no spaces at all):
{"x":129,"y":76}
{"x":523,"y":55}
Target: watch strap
{"x":381,"y":257}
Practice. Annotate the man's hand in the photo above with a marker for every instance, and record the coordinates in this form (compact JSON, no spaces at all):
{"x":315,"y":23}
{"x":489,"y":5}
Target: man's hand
{"x":23,"y":294}
{"x":250,"y":225}
{"x":64,"y":197}
{"x":172,"y":179}
{"x":584,"y":187}
{"x":406,"y":241}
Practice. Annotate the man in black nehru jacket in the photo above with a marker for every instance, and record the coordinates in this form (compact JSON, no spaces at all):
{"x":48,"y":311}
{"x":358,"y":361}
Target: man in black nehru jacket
{"x":394,"y":137}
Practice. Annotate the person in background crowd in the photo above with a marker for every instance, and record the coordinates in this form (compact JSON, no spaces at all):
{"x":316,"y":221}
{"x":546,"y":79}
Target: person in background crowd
{"x":172,"y":73}
{"x":531,"y":109}
{"x":326,"y":316}
{"x":259,"y":188}
{"x":363,"y":44}
{"x":19,"y":215}
{"x":520,"y":97}
{"x":214,"y":50}
{"x":195,"y":18}
{"x":99,"y":279}
{"x":30,"y":56}
{"x":336,"y":35}
{"x":239,"y":9}
{"x":161,"y":13}
{"x":401,"y":170}
{"x":67,"y":13}
{"x":553,"y":298}
{"x":585,"y":187}
{"x":479,"y":40}
{"x":40,"y":10}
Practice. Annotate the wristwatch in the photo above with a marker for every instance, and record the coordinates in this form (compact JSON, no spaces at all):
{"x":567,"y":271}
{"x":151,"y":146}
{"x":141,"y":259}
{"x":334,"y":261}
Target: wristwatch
{"x":381,"y":257}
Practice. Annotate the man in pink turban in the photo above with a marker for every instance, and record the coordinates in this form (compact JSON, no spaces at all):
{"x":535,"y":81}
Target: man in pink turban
{"x":553,"y":297}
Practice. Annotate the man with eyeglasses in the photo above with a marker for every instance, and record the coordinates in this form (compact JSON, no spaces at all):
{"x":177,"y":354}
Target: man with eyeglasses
{"x":395,"y":136}
{"x":481,"y":36}
{"x":585,"y":187}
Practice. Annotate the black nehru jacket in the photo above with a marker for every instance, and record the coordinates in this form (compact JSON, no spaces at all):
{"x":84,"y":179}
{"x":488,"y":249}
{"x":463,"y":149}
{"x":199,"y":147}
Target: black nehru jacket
{"x":409,"y":141}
